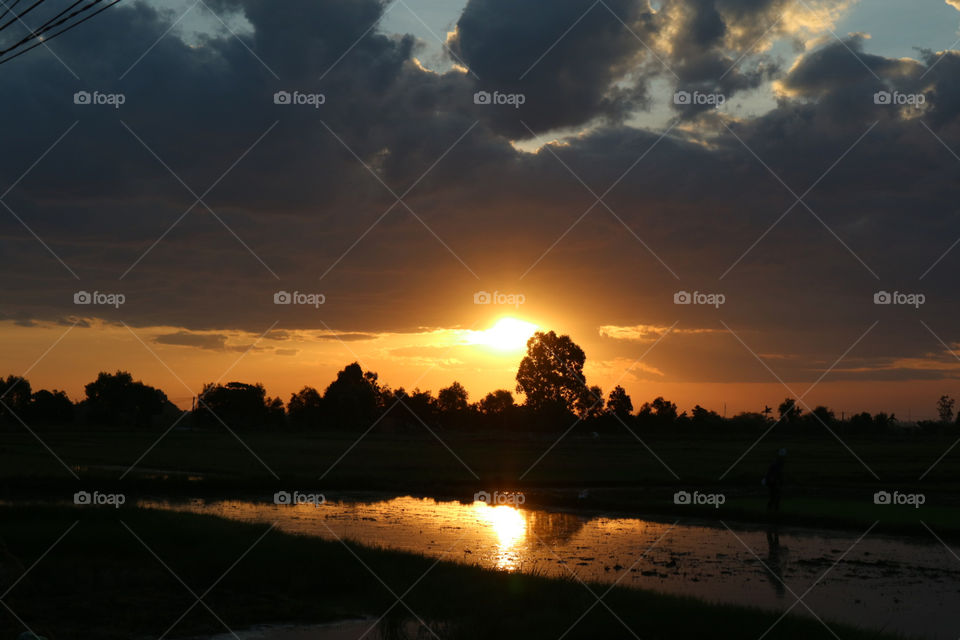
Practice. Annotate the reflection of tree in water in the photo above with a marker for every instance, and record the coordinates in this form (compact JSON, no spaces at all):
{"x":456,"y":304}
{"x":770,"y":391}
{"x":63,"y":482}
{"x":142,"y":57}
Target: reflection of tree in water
{"x":775,"y":560}
{"x":553,"y":529}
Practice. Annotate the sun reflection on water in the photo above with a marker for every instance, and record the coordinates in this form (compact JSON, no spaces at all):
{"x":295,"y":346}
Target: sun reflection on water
{"x":510,"y":528}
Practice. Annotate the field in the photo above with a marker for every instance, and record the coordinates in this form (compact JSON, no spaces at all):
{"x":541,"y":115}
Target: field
{"x":826,"y":484}
{"x":134,"y":573}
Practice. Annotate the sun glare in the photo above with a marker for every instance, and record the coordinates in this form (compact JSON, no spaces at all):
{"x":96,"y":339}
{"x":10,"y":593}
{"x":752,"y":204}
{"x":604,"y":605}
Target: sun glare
{"x":508,"y":334}
{"x":510,"y":528}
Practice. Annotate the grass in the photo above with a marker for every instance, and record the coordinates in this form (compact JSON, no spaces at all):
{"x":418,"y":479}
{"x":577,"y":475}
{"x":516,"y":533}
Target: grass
{"x":830,"y":483}
{"x":101,"y":582}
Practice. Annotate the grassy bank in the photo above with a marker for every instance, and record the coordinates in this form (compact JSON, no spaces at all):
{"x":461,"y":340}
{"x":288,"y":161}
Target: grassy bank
{"x":100,"y":581}
{"x":826,"y":484}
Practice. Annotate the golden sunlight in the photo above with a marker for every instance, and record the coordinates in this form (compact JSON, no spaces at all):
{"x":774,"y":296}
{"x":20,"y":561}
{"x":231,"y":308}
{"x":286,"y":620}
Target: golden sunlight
{"x":510,"y":527}
{"x":508,"y":334}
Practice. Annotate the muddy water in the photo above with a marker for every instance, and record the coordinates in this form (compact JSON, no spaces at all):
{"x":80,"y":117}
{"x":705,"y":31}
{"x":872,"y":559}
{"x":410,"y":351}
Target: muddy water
{"x":895,"y":584}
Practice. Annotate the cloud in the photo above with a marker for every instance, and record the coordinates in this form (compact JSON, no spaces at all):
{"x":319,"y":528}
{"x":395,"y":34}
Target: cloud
{"x":347,"y":337}
{"x":567,"y":62}
{"x":299,"y":193}
{"x":647,"y":333}
{"x":216,"y":342}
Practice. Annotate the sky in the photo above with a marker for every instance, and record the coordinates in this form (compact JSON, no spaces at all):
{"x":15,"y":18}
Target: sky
{"x":716,"y":199}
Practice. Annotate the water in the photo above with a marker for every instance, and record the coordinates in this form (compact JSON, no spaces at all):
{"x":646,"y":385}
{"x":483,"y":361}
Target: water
{"x":894,"y":584}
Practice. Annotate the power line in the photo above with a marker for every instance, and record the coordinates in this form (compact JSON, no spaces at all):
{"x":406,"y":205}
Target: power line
{"x":64,"y":20}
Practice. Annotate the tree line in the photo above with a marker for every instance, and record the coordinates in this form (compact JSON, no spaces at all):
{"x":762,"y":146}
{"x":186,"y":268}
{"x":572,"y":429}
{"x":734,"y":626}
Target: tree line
{"x":550,"y":377}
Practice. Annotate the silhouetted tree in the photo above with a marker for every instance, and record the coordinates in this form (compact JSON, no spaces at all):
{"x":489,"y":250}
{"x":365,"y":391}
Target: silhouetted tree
{"x":551,"y":374}
{"x":496,"y":402}
{"x":117,"y":400}
{"x":749,"y":420}
{"x":414,"y":409}
{"x":238,"y":405}
{"x":619,"y":403}
{"x":660,"y":411}
{"x":50,"y":408}
{"x":589,"y":405}
{"x":452,"y":399}
{"x":15,"y":393}
{"x":789,"y":411}
{"x":352,"y":401}
{"x":305,"y":408}
{"x":862,"y":421}
{"x":704,"y":417}
{"x":821,"y":415}
{"x":945,"y":409}
{"x":882,"y":421}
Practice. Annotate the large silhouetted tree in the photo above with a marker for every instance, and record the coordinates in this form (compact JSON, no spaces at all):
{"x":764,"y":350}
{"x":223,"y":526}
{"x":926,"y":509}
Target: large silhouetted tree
{"x":238,"y":405}
{"x":115,"y":399}
{"x":452,"y":399}
{"x":551,"y":374}
{"x":352,"y":400}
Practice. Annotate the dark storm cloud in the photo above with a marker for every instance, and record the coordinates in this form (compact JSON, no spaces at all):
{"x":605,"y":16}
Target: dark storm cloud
{"x":709,"y":41}
{"x":563,"y":59}
{"x":301,"y":198}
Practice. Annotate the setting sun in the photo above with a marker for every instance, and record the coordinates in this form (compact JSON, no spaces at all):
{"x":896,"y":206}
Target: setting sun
{"x":508,"y":334}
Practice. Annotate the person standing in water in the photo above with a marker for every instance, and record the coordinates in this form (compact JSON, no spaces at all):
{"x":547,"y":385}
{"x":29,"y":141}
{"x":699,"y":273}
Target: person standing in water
{"x":774,"y":480}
